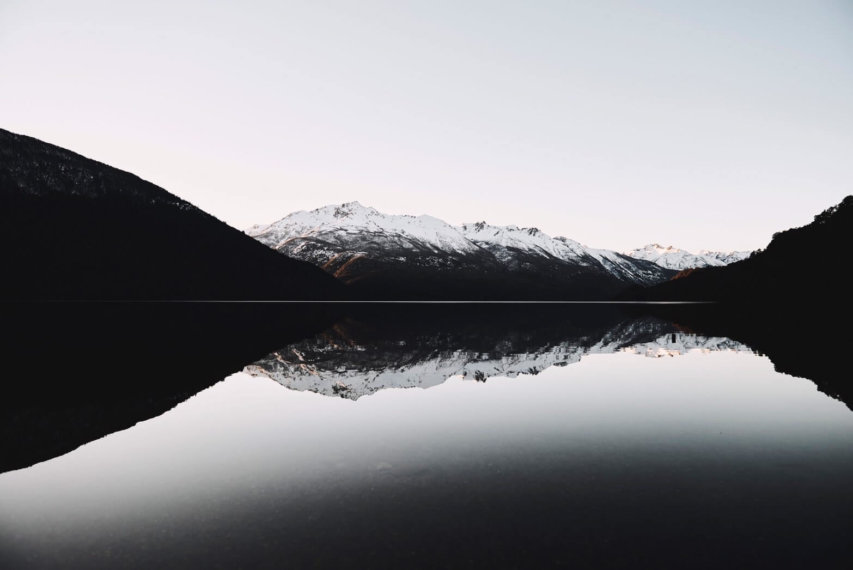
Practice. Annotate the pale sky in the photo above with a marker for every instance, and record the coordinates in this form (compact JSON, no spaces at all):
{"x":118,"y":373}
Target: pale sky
{"x":615,"y":123}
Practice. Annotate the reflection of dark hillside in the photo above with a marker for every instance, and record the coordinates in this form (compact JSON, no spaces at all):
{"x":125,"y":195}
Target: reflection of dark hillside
{"x":73,"y":373}
{"x":803,"y":343}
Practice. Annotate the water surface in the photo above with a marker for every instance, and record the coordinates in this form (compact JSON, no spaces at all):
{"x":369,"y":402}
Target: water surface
{"x":570,"y":440}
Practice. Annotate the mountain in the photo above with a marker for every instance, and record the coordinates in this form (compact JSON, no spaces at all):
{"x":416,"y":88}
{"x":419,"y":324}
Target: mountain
{"x":73,"y":228}
{"x":723,"y":257}
{"x":513,"y":246}
{"x":679,"y":259}
{"x":799,"y":264}
{"x":421,"y":257}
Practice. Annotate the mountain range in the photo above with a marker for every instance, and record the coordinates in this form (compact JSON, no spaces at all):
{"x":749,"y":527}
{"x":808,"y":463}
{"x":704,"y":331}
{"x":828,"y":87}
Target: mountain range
{"x":72,"y":228}
{"x":414,"y":257}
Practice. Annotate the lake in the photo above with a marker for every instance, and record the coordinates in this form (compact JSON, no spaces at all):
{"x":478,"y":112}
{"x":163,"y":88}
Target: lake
{"x":452,"y":436}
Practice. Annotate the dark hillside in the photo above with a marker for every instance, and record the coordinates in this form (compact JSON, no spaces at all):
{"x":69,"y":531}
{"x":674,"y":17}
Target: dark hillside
{"x":810,"y":263}
{"x":73,"y":228}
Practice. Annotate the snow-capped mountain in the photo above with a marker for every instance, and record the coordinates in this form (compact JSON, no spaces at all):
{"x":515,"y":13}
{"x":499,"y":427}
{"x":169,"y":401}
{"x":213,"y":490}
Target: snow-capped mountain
{"x":422,"y":256}
{"x":678,"y":259}
{"x":352,"y":221}
{"x":511,"y":244}
{"x":725,"y":257}
{"x":351,"y":366}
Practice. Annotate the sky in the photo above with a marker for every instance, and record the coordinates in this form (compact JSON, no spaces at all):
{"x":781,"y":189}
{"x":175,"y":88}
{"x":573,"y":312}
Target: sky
{"x":615,"y":123}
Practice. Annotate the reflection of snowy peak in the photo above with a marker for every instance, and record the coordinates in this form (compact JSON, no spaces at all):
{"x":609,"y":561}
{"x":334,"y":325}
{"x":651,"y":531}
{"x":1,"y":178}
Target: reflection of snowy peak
{"x":674,"y":258}
{"x":354,"y":243}
{"x":331,"y":365}
{"x":678,"y":344}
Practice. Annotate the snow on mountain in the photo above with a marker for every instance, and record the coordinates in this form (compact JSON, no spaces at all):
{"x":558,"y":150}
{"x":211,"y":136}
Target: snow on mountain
{"x":504,"y":239}
{"x":339,"y":238}
{"x":336,"y":237}
{"x":678,"y":259}
{"x":725,"y":257}
{"x":353,"y":219}
{"x":507,"y":242}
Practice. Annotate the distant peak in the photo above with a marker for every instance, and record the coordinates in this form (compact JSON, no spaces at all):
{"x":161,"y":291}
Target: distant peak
{"x":351,"y":207}
{"x":659,"y":247}
{"x":345,"y":210}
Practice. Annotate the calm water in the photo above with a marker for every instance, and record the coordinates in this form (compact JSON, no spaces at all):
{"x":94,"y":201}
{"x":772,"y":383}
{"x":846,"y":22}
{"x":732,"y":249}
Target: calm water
{"x":579,"y":440}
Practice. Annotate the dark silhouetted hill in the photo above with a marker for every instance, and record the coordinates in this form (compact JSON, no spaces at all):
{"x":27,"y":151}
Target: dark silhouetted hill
{"x":73,"y":228}
{"x":807,"y":263}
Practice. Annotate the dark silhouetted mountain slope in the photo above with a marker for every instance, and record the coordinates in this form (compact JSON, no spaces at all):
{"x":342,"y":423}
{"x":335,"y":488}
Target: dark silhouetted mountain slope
{"x":73,"y":228}
{"x":806,"y":263}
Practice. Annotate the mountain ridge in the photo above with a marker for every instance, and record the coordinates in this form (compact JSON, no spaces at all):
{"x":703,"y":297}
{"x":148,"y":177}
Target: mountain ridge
{"x":73,"y":228}
{"x":370,"y":250}
{"x":423,"y":257}
{"x":679,"y":259}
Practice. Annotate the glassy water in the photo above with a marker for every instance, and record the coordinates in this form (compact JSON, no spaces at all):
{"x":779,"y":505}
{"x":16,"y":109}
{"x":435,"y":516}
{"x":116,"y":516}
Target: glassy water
{"x":608,"y":440}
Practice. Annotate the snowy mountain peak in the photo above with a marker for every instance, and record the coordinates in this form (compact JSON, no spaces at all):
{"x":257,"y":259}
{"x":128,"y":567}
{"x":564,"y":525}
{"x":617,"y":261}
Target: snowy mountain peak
{"x":658,"y":248}
{"x":506,"y":241}
{"x":346,"y":210}
{"x":340,"y":223}
{"x":675,"y":258}
{"x":349,"y":209}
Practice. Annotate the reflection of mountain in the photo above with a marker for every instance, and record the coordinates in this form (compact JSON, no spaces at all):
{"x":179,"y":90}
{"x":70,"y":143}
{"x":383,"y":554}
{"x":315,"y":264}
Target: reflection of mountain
{"x":76,"y":372}
{"x":801,"y":342}
{"x":345,"y":362}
